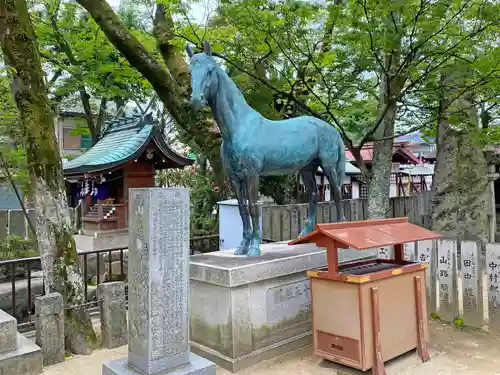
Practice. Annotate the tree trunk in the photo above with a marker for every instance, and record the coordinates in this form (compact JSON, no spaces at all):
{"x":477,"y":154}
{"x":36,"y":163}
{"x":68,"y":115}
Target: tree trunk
{"x":176,"y":64}
{"x":173,"y":58}
{"x":53,"y":225}
{"x":380,"y":174}
{"x":460,"y":182}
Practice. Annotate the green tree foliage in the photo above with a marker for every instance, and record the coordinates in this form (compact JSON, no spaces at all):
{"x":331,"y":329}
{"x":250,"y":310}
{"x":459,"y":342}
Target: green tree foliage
{"x":81,"y":61}
{"x":204,"y":195}
{"x":363,"y":66}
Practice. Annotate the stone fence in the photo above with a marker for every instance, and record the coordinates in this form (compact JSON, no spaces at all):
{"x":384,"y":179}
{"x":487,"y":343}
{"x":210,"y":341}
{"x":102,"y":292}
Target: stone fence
{"x":49,"y":321}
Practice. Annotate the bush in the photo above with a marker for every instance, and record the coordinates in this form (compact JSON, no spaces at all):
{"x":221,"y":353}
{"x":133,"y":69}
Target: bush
{"x":15,"y":247}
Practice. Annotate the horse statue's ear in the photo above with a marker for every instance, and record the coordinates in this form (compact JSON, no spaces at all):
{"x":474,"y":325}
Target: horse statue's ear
{"x":207,"y":48}
{"x":189,"y":50}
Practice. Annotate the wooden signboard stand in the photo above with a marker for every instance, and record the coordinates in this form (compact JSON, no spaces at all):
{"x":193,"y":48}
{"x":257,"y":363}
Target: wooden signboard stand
{"x":368,"y":312}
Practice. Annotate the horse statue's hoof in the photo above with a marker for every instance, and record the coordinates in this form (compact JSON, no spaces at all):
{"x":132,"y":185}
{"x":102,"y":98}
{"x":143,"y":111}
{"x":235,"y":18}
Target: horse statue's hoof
{"x":241,"y":250}
{"x":307,"y":229}
{"x":254,"y":252}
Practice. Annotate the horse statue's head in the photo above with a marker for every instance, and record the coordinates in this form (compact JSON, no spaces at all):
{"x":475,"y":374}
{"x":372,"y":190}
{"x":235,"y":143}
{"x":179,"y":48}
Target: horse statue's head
{"x":204,"y":80}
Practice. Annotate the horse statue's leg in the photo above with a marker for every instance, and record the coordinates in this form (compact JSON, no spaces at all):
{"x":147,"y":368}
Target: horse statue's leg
{"x":335,"y":187}
{"x":308,"y":175}
{"x":253,"y":196}
{"x":241,"y":194}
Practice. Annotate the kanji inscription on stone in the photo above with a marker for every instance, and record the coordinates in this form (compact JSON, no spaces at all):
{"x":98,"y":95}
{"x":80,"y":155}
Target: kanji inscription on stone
{"x":472,"y":303}
{"x":424,"y":251}
{"x":424,"y":255}
{"x":446,"y":253}
{"x":493,"y":284}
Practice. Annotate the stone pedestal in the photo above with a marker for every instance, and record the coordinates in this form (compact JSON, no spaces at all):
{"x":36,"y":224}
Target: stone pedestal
{"x":247,"y":309}
{"x":158,"y":287}
{"x":18,"y":355}
{"x":49,"y":323}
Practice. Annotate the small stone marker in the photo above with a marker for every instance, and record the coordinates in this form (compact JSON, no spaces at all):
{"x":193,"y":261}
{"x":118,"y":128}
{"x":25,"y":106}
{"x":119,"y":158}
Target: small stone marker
{"x":385,"y":252}
{"x":409,"y":252}
{"x":493,"y":281}
{"x":446,"y":268}
{"x":425,"y":254}
{"x":473,"y":301}
{"x":113,"y":314}
{"x":49,"y":323}
{"x":159,"y":287}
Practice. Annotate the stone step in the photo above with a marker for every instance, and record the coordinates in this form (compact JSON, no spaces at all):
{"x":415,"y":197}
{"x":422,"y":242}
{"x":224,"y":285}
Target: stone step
{"x":95,"y":215}
{"x":8,"y":332}
{"x":26,"y":359}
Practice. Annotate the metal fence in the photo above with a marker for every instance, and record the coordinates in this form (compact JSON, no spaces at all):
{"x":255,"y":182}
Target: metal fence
{"x":23,"y":281}
{"x":26,"y":282}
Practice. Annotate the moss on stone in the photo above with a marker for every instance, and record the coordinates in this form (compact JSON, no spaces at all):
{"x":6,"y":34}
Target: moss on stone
{"x":264,"y":331}
{"x":208,"y":335}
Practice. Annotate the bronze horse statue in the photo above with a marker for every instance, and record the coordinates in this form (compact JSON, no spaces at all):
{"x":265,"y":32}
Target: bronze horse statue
{"x":254,"y":146}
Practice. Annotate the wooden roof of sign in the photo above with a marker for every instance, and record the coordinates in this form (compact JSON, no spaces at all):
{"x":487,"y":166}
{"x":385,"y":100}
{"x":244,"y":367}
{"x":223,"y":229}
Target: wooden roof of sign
{"x":124,"y":139}
{"x":368,"y":234}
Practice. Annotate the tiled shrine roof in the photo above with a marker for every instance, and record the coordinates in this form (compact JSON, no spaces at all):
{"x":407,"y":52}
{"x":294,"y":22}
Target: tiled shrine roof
{"x":123,"y":140}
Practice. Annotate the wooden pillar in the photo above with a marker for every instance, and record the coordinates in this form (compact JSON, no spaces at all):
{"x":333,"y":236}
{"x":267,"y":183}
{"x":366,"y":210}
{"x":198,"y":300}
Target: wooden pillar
{"x":422,"y":349}
{"x":99,"y":213}
{"x":99,"y":209}
{"x":399,"y":252}
{"x":378,"y":362}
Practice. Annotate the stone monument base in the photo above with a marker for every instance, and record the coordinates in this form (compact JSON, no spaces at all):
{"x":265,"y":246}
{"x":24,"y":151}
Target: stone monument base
{"x":196,"y":366}
{"x":247,"y":309}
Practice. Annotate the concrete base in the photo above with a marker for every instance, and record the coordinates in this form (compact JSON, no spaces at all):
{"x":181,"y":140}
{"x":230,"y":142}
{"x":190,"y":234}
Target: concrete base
{"x":247,"y":309}
{"x":102,"y":240}
{"x":196,"y":366}
{"x":248,"y":360}
{"x":25,"y":360}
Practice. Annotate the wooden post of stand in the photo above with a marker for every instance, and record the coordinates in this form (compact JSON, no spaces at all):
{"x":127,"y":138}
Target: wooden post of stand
{"x":332,"y":255}
{"x":332,"y":259}
{"x":378,"y":362}
{"x":399,"y":252}
{"x":422,"y":349}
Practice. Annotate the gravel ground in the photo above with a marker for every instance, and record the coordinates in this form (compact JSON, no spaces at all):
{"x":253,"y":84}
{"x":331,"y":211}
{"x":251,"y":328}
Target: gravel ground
{"x":452,"y":352}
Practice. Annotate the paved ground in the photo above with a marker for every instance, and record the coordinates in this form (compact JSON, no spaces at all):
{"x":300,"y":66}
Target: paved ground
{"x":452,"y":351}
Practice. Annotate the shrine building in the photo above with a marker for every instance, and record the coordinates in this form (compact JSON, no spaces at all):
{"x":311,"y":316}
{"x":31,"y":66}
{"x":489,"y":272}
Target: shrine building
{"x":131,"y":149}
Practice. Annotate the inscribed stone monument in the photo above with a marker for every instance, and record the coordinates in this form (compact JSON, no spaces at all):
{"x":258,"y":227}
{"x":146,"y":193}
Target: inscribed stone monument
{"x":158,"y":287}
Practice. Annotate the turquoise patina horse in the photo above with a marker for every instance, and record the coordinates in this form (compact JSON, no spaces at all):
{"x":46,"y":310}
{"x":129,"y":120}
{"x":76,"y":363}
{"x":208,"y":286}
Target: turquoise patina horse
{"x":254,"y":146}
